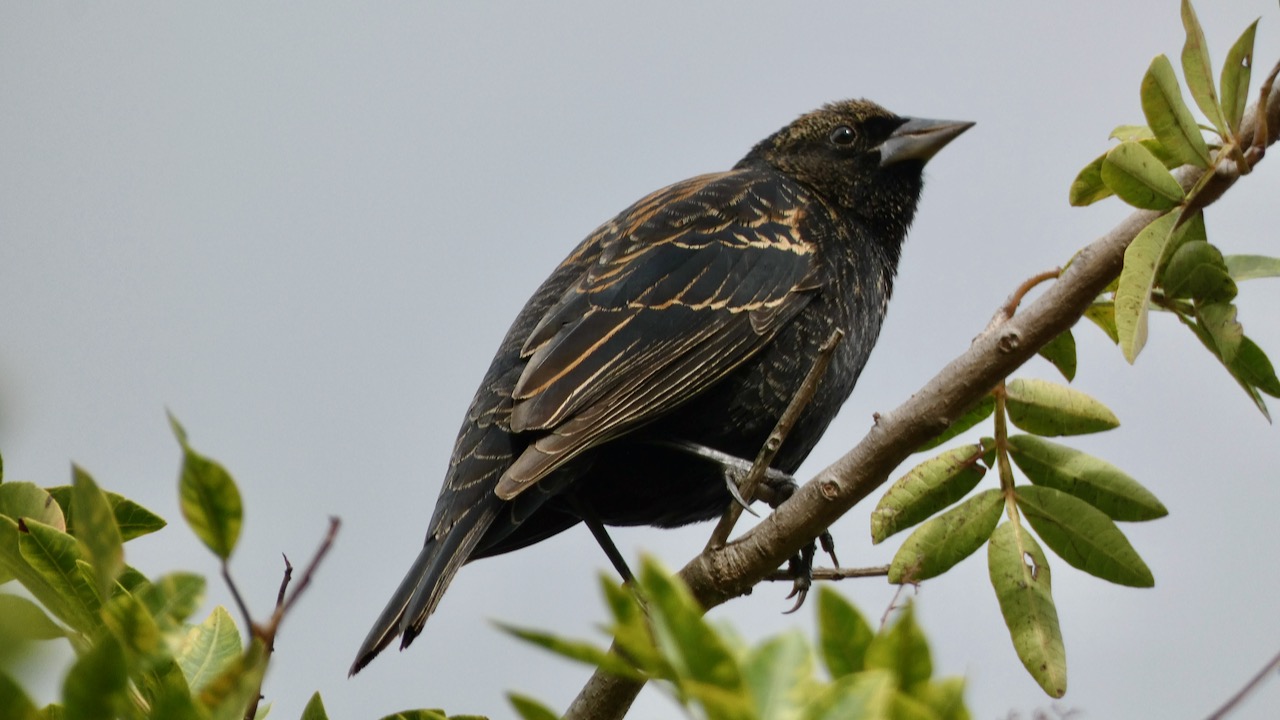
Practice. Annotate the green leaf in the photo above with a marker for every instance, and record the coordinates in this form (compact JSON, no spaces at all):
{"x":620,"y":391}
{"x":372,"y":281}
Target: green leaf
{"x":779,"y":675}
{"x":971,"y":417}
{"x":24,"y":619}
{"x":28,"y":500}
{"x":1088,"y":188}
{"x":1024,"y":588}
{"x":527,"y":708}
{"x":631,"y":629}
{"x":171,"y":698}
{"x":583,"y":652}
{"x":14,"y":703}
{"x":53,"y":554}
{"x":1169,"y":117}
{"x":173,"y":598}
{"x":133,"y":520}
{"x":315,"y":709}
{"x":946,"y":698}
{"x":96,"y":530}
{"x":97,"y":685}
{"x":1138,"y":277}
{"x":209,"y":649}
{"x":927,"y":488}
{"x":697,"y":654}
{"x":1138,"y":177}
{"x":1083,"y":536}
{"x":1197,"y":270}
{"x":1124,"y":133}
{"x":939,"y":544}
{"x":843,"y":634}
{"x":1251,"y":267}
{"x":1198,"y":70}
{"x":1236,"y":72}
{"x":1103,"y":314}
{"x":137,"y":631}
{"x":1252,"y":366}
{"x":1061,"y":352}
{"x":1219,"y":319}
{"x":209,"y":498}
{"x":865,"y":696}
{"x":1095,"y":481}
{"x":228,"y":695}
{"x":1044,"y":408}
{"x":903,"y":650}
{"x":35,"y":583}
{"x":419,"y":715}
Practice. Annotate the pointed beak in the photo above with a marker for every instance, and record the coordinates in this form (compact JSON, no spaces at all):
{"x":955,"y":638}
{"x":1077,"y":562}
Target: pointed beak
{"x":919,"y":139}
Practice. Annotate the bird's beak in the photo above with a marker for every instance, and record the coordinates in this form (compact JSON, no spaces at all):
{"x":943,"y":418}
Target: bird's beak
{"x":919,"y":139}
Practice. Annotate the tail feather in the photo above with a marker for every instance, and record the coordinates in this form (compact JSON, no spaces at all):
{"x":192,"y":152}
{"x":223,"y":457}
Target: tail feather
{"x":422,"y":587}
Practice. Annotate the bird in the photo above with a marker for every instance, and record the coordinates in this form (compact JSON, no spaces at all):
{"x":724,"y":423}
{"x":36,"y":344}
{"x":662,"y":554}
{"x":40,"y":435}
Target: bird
{"x":676,"y":332}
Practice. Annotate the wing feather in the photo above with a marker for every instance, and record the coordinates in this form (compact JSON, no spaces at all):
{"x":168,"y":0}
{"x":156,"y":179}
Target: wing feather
{"x":685,"y":288}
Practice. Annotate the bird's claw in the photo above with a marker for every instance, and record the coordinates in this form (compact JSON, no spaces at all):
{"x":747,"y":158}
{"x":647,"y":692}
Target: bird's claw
{"x":801,"y":569}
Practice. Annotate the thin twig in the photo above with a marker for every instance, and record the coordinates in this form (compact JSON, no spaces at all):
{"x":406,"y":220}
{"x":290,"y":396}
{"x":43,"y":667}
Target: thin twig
{"x":1254,"y":683}
{"x":267,"y":633}
{"x":325,"y":545}
{"x":235,"y":594}
{"x":774,"y":443}
{"x":833,"y":574}
{"x":284,"y":582}
{"x":1016,"y":297}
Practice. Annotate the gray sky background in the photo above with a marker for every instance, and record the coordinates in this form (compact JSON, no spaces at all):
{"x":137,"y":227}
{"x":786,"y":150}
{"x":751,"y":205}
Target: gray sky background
{"x":304,"y":229}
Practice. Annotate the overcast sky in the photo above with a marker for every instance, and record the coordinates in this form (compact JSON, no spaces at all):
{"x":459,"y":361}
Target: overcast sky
{"x":304,"y":229}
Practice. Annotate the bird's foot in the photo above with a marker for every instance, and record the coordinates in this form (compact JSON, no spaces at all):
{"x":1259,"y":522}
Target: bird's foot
{"x":776,"y":491}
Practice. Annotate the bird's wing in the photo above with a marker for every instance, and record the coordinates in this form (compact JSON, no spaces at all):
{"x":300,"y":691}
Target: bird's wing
{"x":689,"y":283}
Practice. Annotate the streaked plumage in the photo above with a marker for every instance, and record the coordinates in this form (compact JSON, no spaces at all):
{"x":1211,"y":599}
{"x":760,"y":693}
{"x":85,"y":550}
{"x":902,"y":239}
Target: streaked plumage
{"x":692,"y":315}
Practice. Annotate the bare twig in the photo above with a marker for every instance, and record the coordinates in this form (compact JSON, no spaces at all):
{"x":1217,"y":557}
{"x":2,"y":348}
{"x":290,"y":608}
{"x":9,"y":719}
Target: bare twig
{"x":832,"y":574}
{"x":284,"y":581}
{"x":1271,"y":668}
{"x":235,"y":595}
{"x":717,"y":575}
{"x":774,"y":443}
{"x":267,"y":632}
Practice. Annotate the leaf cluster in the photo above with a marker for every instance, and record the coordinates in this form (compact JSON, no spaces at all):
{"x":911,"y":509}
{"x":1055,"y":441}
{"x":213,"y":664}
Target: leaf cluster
{"x":659,"y":633}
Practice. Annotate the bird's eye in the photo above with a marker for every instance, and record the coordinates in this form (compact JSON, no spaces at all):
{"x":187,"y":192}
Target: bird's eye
{"x":843,"y":135}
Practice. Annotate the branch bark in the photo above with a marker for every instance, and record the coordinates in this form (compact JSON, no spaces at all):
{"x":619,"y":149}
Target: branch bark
{"x":720,"y":574}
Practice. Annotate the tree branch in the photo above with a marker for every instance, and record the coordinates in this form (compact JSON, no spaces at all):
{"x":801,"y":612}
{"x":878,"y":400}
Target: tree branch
{"x":720,"y":574}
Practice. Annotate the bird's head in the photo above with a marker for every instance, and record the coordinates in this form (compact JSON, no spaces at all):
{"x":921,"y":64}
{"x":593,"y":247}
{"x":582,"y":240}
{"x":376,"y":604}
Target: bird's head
{"x":859,"y":157}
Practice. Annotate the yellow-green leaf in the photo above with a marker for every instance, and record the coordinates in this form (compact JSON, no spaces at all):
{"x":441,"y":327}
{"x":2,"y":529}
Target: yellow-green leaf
{"x":527,"y":707}
{"x":1138,"y":177}
{"x":209,"y":648}
{"x":927,"y":488}
{"x":133,"y":519}
{"x":14,"y":703}
{"x":96,"y":530}
{"x":1095,"y":481}
{"x":1198,"y":70}
{"x":53,"y":555}
{"x":902,"y":650}
{"x":1169,"y":117}
{"x":209,"y":498}
{"x":1137,"y":278}
{"x":1083,"y":536}
{"x":1044,"y":408}
{"x":1236,"y":71}
{"x":1087,"y":188}
{"x":941,"y":543}
{"x":1252,"y":267}
{"x":1103,"y":314}
{"x":1024,"y":588}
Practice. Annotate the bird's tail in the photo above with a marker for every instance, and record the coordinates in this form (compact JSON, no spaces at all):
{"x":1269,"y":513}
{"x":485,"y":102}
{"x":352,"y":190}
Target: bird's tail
{"x":422,"y":587}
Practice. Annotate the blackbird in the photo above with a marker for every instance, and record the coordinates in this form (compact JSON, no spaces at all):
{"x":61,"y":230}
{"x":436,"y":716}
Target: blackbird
{"x":686,"y":322}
